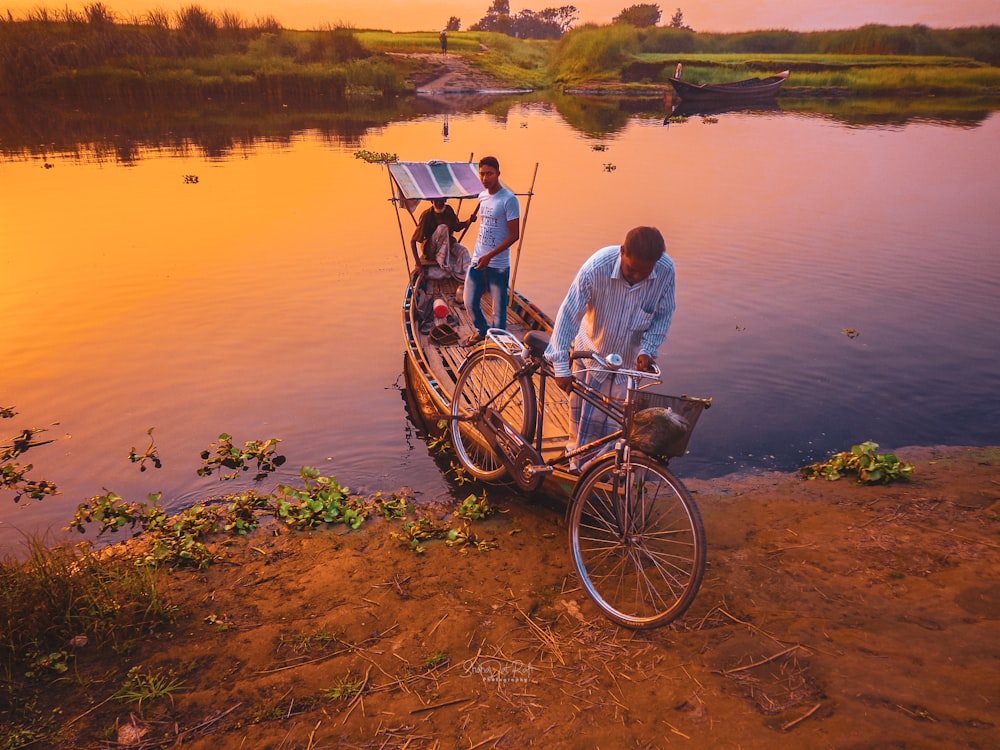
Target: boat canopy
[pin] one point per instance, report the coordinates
(420, 180)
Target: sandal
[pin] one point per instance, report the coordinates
(473, 339)
(444, 335)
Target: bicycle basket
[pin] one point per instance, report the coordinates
(661, 425)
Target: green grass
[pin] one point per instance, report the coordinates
(888, 79)
(459, 42)
(60, 600)
(64, 592)
(865, 80)
(732, 59)
(595, 53)
(519, 62)
(146, 686)
(863, 75)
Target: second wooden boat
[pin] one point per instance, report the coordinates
(749, 89)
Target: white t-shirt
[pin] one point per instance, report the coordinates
(494, 212)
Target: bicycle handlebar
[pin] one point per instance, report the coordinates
(612, 363)
(606, 363)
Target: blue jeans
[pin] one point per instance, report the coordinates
(476, 284)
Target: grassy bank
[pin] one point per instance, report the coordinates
(863, 75)
(96, 55)
(223, 58)
(871, 60)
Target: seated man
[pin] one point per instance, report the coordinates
(434, 232)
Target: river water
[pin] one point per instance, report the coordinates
(836, 283)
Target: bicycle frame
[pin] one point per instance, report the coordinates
(636, 534)
(535, 364)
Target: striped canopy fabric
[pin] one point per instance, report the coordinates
(436, 179)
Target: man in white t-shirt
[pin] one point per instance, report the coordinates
(499, 229)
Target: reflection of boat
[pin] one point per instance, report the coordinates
(749, 89)
(716, 107)
(434, 353)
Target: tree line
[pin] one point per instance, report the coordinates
(552, 23)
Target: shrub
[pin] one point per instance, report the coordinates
(197, 21)
(592, 50)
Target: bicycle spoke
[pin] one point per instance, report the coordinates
(488, 379)
(637, 542)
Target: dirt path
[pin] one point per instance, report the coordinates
(453, 74)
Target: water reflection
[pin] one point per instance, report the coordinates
(690, 109)
(861, 112)
(117, 133)
(110, 133)
(263, 299)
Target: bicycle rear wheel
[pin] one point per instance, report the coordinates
(637, 541)
(487, 379)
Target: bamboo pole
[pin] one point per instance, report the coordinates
(524, 225)
(399, 221)
(473, 215)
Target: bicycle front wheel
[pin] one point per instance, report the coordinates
(487, 379)
(637, 541)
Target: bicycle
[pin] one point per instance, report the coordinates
(635, 532)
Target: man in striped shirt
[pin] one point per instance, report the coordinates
(621, 302)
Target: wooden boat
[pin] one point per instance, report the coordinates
(749, 89)
(432, 360)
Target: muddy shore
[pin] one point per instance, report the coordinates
(832, 615)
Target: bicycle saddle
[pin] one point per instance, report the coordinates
(537, 342)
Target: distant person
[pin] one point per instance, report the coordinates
(444, 41)
(499, 229)
(433, 241)
(621, 302)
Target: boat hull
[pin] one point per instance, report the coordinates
(749, 90)
(431, 369)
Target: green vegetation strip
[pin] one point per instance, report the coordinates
(864, 461)
(58, 54)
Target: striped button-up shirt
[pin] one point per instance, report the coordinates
(602, 312)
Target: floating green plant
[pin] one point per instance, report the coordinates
(864, 461)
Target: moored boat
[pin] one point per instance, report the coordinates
(435, 345)
(749, 89)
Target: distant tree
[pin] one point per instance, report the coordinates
(550, 23)
(454, 24)
(640, 16)
(497, 18)
(677, 21)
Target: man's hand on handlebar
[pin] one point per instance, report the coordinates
(565, 382)
(644, 363)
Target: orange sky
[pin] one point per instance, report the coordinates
(717, 15)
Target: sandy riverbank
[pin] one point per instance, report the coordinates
(832, 615)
